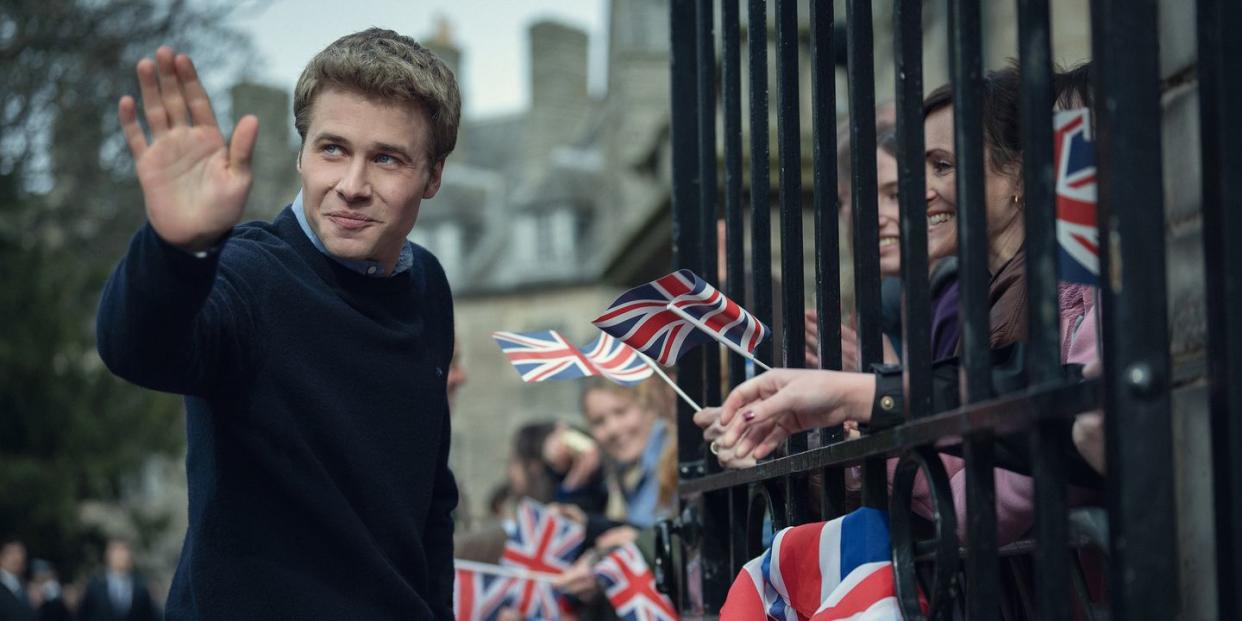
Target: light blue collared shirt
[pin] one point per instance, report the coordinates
(405, 260)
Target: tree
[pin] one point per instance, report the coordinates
(69, 430)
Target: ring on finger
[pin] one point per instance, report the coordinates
(713, 447)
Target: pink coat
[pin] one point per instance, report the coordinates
(1015, 493)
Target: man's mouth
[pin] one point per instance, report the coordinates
(350, 221)
(888, 240)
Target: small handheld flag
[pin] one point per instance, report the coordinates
(644, 319)
(630, 586)
(1078, 234)
(540, 541)
(617, 361)
(542, 356)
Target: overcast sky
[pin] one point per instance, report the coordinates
(490, 33)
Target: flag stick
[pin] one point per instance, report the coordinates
(716, 335)
(668, 380)
(507, 572)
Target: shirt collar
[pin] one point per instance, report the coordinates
(405, 260)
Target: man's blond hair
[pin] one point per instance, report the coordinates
(385, 66)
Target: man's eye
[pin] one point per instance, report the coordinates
(384, 158)
(330, 149)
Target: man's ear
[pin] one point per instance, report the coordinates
(433, 180)
(300, 159)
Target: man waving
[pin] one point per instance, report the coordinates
(312, 350)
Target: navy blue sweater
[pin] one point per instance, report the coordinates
(317, 423)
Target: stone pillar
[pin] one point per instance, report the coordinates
(558, 90)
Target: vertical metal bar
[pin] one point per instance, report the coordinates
(827, 223)
(1043, 356)
(911, 185)
(860, 68)
(1136, 338)
(687, 247)
(706, 56)
(1220, 133)
(789, 144)
(789, 139)
(966, 68)
(827, 211)
(735, 262)
(760, 168)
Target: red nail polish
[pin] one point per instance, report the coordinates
(748, 416)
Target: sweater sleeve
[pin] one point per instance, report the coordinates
(166, 321)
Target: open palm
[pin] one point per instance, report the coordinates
(194, 185)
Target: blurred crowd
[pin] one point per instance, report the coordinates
(33, 590)
(614, 472)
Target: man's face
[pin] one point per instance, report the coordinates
(118, 557)
(365, 169)
(13, 558)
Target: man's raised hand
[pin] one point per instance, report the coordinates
(194, 184)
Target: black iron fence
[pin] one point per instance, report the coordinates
(724, 512)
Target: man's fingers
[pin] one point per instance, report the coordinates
(127, 112)
(195, 95)
(152, 105)
(170, 88)
(241, 146)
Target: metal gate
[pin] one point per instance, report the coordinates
(723, 513)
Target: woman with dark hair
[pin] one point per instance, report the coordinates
(761, 413)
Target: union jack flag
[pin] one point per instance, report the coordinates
(617, 361)
(630, 586)
(723, 316)
(546, 355)
(827, 571)
(641, 319)
(479, 596)
(1077, 229)
(544, 542)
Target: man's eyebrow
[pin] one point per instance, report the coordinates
(326, 137)
(383, 146)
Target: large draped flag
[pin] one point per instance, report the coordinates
(827, 571)
(642, 319)
(630, 587)
(1078, 235)
(546, 355)
(540, 541)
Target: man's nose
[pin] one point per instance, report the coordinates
(353, 184)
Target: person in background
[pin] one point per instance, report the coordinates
(46, 596)
(14, 602)
(120, 594)
(631, 426)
